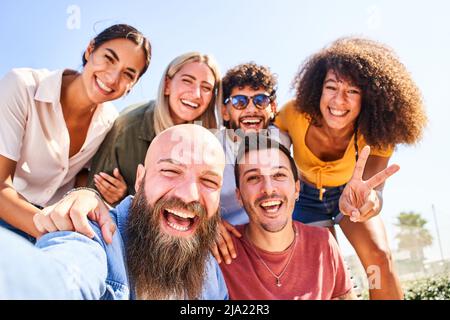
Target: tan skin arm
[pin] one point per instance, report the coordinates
(14, 208)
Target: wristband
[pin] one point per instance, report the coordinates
(84, 188)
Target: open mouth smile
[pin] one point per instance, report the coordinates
(189, 104)
(338, 113)
(180, 221)
(103, 87)
(251, 122)
(271, 206)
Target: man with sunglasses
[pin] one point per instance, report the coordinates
(249, 106)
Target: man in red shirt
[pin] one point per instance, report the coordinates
(278, 258)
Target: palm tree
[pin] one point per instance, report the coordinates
(413, 235)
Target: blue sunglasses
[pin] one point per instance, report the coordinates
(240, 101)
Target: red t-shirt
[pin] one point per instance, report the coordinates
(316, 270)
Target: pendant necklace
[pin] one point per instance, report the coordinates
(277, 277)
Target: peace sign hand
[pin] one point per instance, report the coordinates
(360, 200)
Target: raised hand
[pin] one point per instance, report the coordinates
(112, 189)
(360, 200)
(72, 213)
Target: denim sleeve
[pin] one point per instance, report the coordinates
(80, 261)
(67, 267)
(214, 286)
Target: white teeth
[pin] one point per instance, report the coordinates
(177, 227)
(181, 214)
(337, 113)
(251, 121)
(271, 206)
(189, 103)
(103, 86)
(271, 203)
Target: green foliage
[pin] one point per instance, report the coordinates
(437, 288)
(413, 236)
(410, 219)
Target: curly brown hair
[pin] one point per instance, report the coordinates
(392, 110)
(249, 74)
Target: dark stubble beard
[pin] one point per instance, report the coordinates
(251, 210)
(162, 266)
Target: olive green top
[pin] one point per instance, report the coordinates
(126, 144)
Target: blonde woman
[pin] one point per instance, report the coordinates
(188, 92)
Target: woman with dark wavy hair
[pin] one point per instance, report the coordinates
(352, 94)
(52, 123)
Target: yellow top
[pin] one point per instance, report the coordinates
(321, 173)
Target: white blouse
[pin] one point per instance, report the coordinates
(34, 134)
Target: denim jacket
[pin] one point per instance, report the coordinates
(98, 271)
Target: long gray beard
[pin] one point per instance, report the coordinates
(162, 266)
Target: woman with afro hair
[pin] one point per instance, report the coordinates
(353, 94)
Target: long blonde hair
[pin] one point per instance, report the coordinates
(209, 119)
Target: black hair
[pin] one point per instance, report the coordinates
(123, 31)
(249, 74)
(254, 141)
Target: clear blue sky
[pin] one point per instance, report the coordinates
(280, 34)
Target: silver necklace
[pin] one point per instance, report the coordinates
(277, 277)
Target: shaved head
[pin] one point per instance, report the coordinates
(174, 216)
(183, 141)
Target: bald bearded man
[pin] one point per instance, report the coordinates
(161, 249)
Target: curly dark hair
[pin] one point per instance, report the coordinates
(249, 74)
(392, 110)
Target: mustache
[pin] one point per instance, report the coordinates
(254, 116)
(176, 203)
(251, 116)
